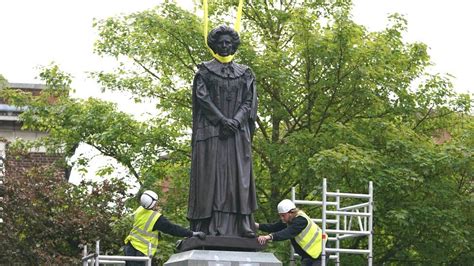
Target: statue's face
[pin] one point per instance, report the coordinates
(224, 45)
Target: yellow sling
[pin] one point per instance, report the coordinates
(222, 59)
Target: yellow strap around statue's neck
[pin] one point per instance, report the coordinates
(222, 59)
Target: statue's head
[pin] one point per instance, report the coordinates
(223, 40)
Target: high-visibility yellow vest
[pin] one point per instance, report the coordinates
(310, 239)
(141, 233)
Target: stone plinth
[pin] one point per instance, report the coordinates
(222, 258)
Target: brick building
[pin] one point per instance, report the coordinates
(16, 165)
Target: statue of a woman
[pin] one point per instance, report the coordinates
(222, 188)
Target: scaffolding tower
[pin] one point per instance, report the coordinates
(96, 259)
(360, 214)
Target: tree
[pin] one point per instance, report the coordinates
(46, 220)
(3, 82)
(336, 102)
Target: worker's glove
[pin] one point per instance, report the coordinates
(201, 235)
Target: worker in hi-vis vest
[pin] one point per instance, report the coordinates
(294, 224)
(147, 222)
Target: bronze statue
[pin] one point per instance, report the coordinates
(222, 188)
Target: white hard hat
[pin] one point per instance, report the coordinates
(285, 206)
(148, 199)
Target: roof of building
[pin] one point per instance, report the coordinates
(10, 112)
(31, 86)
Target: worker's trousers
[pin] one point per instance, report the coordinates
(311, 262)
(129, 250)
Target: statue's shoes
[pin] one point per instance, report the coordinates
(249, 234)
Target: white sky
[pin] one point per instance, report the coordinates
(443, 25)
(35, 33)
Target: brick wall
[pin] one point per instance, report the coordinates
(15, 167)
(32, 168)
(18, 165)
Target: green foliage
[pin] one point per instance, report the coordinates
(335, 101)
(3, 82)
(69, 122)
(46, 220)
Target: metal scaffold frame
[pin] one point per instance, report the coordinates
(96, 259)
(361, 214)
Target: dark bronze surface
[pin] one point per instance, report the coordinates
(222, 195)
(228, 243)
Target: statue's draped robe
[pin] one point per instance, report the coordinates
(222, 188)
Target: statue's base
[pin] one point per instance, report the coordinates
(229, 243)
(222, 258)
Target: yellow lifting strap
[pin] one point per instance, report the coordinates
(222, 59)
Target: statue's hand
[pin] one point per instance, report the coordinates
(230, 124)
(235, 125)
